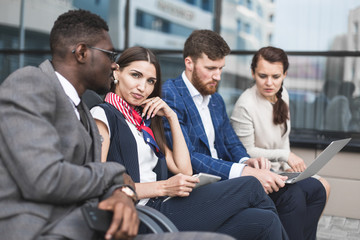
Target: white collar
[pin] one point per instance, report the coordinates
(69, 89)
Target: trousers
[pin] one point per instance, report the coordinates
(238, 207)
(299, 207)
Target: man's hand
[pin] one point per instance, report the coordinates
(259, 163)
(296, 163)
(128, 180)
(270, 181)
(125, 223)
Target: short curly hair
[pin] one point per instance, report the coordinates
(76, 26)
(205, 41)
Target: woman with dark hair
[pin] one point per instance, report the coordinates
(261, 119)
(238, 207)
(261, 115)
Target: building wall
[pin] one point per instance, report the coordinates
(39, 15)
(174, 14)
(352, 64)
(342, 172)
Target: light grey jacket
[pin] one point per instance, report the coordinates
(49, 164)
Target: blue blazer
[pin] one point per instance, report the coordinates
(227, 144)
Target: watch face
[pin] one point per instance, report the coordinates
(130, 193)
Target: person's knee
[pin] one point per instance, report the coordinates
(290, 200)
(326, 186)
(273, 227)
(249, 182)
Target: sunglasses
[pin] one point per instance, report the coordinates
(113, 56)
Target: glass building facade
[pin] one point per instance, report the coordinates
(323, 47)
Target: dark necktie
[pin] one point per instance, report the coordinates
(83, 117)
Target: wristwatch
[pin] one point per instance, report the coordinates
(130, 192)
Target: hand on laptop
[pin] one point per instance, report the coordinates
(296, 163)
(270, 181)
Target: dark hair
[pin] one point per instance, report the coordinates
(143, 54)
(73, 27)
(205, 41)
(347, 89)
(273, 54)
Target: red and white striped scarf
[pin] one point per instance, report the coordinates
(124, 108)
(134, 117)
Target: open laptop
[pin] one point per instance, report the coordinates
(324, 157)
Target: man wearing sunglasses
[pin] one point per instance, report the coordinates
(50, 146)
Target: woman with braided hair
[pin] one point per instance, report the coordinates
(261, 115)
(261, 119)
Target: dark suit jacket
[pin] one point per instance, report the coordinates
(49, 164)
(227, 144)
(123, 147)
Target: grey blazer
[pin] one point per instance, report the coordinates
(49, 164)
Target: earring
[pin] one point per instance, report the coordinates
(116, 81)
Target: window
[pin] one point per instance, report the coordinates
(317, 67)
(207, 5)
(258, 34)
(238, 25)
(192, 2)
(240, 44)
(259, 11)
(249, 4)
(271, 18)
(247, 28)
(152, 22)
(356, 27)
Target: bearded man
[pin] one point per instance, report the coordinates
(213, 145)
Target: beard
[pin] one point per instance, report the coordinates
(203, 88)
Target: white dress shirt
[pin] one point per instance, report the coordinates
(201, 103)
(70, 92)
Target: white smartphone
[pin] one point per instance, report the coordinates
(205, 178)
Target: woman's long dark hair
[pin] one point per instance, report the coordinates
(272, 54)
(142, 54)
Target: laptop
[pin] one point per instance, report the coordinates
(324, 157)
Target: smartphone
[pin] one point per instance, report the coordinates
(98, 220)
(205, 179)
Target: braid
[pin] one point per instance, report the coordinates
(280, 109)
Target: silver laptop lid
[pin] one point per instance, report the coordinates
(325, 156)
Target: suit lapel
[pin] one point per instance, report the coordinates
(214, 113)
(194, 115)
(94, 135)
(216, 116)
(89, 145)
